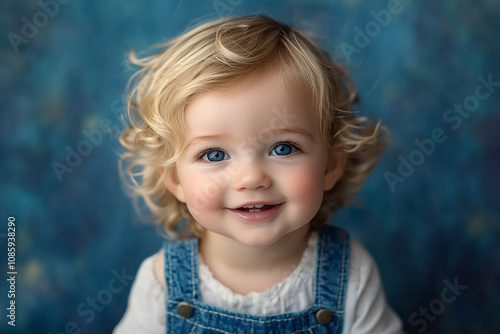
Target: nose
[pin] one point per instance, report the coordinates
(251, 176)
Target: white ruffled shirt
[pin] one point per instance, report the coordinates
(366, 308)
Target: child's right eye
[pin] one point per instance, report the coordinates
(215, 155)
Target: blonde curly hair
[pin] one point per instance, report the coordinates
(214, 56)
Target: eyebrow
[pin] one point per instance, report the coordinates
(194, 140)
(222, 137)
(296, 130)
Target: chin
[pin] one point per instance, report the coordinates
(256, 243)
(258, 239)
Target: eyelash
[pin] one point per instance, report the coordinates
(297, 147)
(200, 155)
(288, 142)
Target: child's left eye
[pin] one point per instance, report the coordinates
(283, 149)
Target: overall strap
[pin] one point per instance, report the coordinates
(332, 269)
(181, 269)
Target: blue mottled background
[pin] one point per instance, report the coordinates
(425, 225)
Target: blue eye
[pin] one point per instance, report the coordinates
(215, 155)
(283, 149)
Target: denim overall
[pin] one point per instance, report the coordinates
(186, 313)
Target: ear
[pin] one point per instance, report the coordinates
(334, 168)
(172, 182)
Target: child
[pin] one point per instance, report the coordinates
(241, 143)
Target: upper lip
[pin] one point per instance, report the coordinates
(254, 204)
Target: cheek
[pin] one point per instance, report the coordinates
(306, 185)
(202, 193)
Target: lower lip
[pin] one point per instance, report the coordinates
(257, 216)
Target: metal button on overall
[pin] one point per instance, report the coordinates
(185, 310)
(324, 316)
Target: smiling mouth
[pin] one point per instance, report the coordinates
(256, 208)
(253, 213)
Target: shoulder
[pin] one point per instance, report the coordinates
(366, 307)
(362, 266)
(363, 271)
(147, 283)
(145, 311)
(158, 268)
(150, 274)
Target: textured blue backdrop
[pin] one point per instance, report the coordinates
(429, 216)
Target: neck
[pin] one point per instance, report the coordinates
(244, 268)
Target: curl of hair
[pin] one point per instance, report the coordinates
(215, 56)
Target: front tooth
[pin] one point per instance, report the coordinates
(258, 206)
(249, 207)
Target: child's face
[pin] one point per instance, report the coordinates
(254, 168)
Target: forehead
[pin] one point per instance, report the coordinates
(264, 102)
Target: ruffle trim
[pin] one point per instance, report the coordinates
(288, 295)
